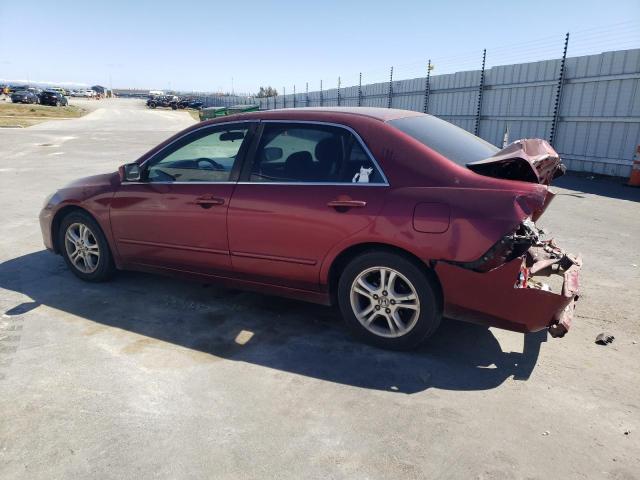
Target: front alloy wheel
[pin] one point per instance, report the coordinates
(82, 247)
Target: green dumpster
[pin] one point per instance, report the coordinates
(214, 112)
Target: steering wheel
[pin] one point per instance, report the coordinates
(215, 165)
(160, 175)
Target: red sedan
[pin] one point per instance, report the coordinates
(399, 218)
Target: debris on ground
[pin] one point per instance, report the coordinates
(627, 432)
(604, 338)
(545, 433)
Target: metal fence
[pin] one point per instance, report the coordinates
(587, 106)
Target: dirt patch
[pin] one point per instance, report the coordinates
(19, 115)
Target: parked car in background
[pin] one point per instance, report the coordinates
(167, 101)
(24, 96)
(60, 90)
(17, 88)
(53, 98)
(398, 217)
(187, 102)
(195, 104)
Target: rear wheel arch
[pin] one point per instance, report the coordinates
(347, 255)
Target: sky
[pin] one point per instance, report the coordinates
(241, 45)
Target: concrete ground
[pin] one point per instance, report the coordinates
(149, 377)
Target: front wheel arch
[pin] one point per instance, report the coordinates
(57, 220)
(344, 257)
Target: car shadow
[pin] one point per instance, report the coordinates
(282, 334)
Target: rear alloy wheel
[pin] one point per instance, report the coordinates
(84, 247)
(388, 301)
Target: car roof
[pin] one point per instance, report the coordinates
(383, 114)
(323, 113)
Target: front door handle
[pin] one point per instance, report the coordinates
(208, 201)
(341, 205)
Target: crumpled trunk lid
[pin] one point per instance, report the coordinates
(529, 160)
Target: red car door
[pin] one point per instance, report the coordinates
(308, 187)
(175, 216)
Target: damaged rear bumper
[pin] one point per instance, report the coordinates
(512, 295)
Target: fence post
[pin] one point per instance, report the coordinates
(338, 91)
(306, 95)
(427, 88)
(390, 88)
(294, 96)
(480, 88)
(321, 99)
(556, 106)
(360, 90)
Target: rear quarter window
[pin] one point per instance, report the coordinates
(450, 141)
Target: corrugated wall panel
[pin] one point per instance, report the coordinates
(599, 118)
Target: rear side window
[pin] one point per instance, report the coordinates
(294, 153)
(450, 141)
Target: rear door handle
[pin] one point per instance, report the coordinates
(208, 202)
(346, 204)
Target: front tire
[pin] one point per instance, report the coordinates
(85, 248)
(389, 301)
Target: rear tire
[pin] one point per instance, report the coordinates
(85, 248)
(389, 301)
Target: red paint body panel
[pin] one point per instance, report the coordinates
(281, 233)
(162, 225)
(283, 239)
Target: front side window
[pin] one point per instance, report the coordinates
(293, 153)
(207, 158)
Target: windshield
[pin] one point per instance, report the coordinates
(450, 141)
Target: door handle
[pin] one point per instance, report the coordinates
(208, 202)
(346, 204)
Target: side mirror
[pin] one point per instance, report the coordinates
(130, 172)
